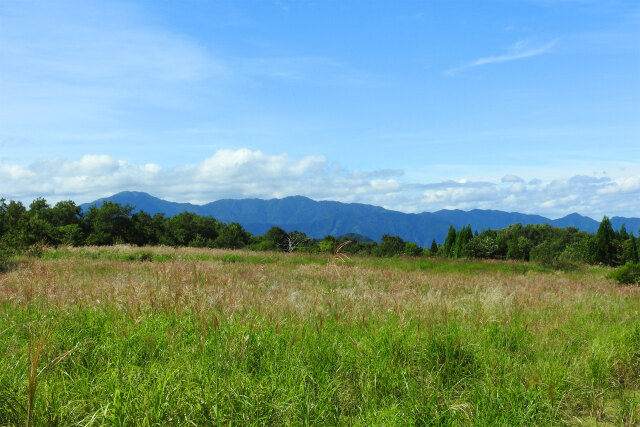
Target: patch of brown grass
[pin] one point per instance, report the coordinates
(345, 290)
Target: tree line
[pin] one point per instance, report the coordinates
(65, 223)
(546, 244)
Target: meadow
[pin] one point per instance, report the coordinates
(161, 336)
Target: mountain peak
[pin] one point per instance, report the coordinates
(321, 218)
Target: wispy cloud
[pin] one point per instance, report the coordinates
(520, 50)
(88, 68)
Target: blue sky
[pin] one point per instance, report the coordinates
(520, 105)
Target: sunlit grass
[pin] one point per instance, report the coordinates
(192, 336)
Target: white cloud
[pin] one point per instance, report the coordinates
(628, 185)
(520, 50)
(245, 173)
(511, 178)
(593, 196)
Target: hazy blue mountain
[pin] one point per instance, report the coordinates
(318, 219)
(578, 221)
(488, 218)
(146, 202)
(631, 224)
(357, 237)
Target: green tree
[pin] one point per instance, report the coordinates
(581, 250)
(3, 210)
(543, 253)
(629, 251)
(434, 247)
(605, 248)
(183, 230)
(622, 234)
(39, 208)
(482, 246)
(390, 246)
(15, 221)
(449, 242)
(412, 249)
(275, 239)
(462, 239)
(519, 248)
(143, 232)
(39, 227)
(109, 224)
(160, 229)
(328, 244)
(232, 236)
(67, 217)
(66, 212)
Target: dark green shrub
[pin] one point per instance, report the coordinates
(231, 258)
(626, 274)
(484, 247)
(4, 265)
(36, 250)
(145, 256)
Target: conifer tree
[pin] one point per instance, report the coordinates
(449, 242)
(635, 257)
(462, 239)
(605, 249)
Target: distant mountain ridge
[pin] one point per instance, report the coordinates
(321, 218)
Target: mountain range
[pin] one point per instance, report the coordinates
(321, 218)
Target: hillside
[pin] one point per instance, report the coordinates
(321, 218)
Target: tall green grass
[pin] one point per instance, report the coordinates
(218, 338)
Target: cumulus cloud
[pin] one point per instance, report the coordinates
(227, 174)
(246, 173)
(592, 196)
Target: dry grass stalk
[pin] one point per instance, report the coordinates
(282, 288)
(338, 254)
(37, 345)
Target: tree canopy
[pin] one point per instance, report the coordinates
(111, 223)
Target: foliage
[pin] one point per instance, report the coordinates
(221, 337)
(449, 242)
(482, 246)
(627, 274)
(5, 264)
(629, 250)
(25, 229)
(605, 243)
(412, 249)
(462, 240)
(390, 246)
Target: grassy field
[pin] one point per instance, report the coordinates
(162, 336)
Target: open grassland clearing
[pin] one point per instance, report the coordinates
(123, 335)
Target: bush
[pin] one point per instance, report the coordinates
(265, 245)
(412, 249)
(566, 261)
(543, 254)
(231, 258)
(5, 263)
(145, 256)
(626, 274)
(483, 247)
(36, 250)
